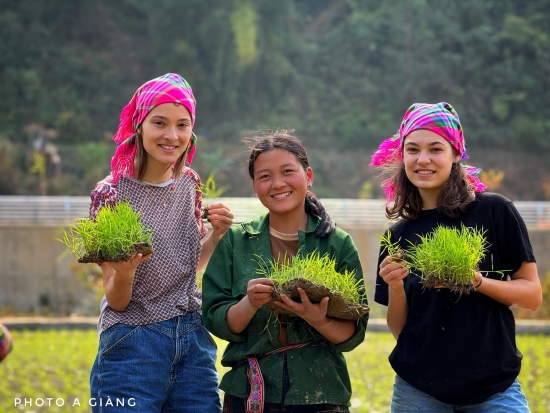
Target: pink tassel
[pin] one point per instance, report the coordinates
(478, 185)
(389, 189)
(389, 151)
(471, 174)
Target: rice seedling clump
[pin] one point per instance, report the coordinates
(209, 192)
(446, 257)
(317, 276)
(116, 235)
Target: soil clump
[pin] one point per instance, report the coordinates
(99, 257)
(337, 306)
(433, 281)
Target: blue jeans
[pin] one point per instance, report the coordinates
(169, 366)
(407, 398)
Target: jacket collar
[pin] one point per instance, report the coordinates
(258, 225)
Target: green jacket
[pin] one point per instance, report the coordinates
(318, 373)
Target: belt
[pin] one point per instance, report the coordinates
(255, 401)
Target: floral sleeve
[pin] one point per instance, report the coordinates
(103, 194)
(198, 200)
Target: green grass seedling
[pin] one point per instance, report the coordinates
(316, 274)
(209, 192)
(113, 236)
(119, 228)
(448, 257)
(80, 238)
(393, 249)
(318, 269)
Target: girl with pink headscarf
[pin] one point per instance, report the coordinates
(154, 353)
(453, 352)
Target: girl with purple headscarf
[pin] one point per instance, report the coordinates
(154, 353)
(453, 352)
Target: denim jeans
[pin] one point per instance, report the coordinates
(407, 398)
(169, 366)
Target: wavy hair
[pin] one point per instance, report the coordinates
(454, 199)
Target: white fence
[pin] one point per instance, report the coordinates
(354, 213)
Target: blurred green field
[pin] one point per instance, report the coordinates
(56, 365)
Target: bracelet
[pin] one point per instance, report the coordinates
(479, 283)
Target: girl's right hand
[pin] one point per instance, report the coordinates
(393, 271)
(259, 291)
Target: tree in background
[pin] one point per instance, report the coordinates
(339, 72)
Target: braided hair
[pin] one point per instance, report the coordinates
(283, 140)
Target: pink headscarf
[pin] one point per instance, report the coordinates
(169, 88)
(440, 118)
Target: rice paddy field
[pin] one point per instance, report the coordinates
(48, 370)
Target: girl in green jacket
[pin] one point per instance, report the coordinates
(294, 364)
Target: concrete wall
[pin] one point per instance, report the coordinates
(37, 276)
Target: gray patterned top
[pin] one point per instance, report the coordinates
(164, 285)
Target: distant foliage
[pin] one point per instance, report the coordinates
(339, 72)
(243, 23)
(492, 179)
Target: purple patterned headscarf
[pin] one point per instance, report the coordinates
(440, 118)
(5, 342)
(168, 88)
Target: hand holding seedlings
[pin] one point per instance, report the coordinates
(314, 314)
(393, 270)
(259, 291)
(444, 258)
(220, 217)
(318, 278)
(449, 257)
(478, 279)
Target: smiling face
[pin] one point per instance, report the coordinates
(280, 181)
(428, 159)
(166, 133)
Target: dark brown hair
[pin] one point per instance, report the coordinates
(455, 197)
(286, 142)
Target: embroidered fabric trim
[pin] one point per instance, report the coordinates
(255, 401)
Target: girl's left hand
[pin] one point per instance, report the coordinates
(314, 314)
(221, 219)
